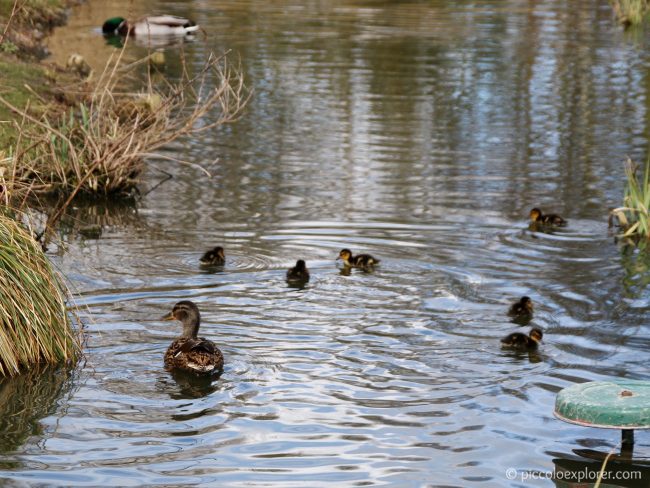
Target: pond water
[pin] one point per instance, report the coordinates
(421, 132)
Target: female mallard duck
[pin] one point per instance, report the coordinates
(537, 216)
(358, 261)
(523, 309)
(189, 352)
(154, 25)
(213, 257)
(299, 273)
(523, 342)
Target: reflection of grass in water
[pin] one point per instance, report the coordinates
(24, 400)
(637, 269)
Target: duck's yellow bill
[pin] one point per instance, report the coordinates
(169, 316)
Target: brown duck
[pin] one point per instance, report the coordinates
(189, 352)
(522, 310)
(523, 342)
(299, 273)
(358, 261)
(537, 216)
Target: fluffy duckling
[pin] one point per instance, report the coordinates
(537, 216)
(299, 273)
(523, 342)
(154, 25)
(358, 261)
(213, 257)
(189, 352)
(523, 309)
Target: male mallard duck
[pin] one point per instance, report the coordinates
(358, 261)
(523, 342)
(299, 273)
(523, 309)
(189, 352)
(154, 25)
(536, 215)
(213, 257)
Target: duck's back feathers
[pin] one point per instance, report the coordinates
(364, 260)
(523, 309)
(553, 219)
(213, 257)
(198, 355)
(164, 25)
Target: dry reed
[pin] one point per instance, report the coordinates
(97, 147)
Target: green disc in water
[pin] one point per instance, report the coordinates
(619, 404)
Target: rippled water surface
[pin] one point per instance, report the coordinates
(421, 132)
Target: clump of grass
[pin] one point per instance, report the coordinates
(633, 217)
(631, 12)
(34, 324)
(97, 146)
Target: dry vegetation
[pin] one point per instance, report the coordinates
(34, 323)
(633, 217)
(97, 147)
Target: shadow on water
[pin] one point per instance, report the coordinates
(25, 400)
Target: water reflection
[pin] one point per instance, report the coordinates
(24, 401)
(191, 385)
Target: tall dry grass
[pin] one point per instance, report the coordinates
(97, 147)
(35, 326)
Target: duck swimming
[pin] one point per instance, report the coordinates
(154, 25)
(523, 309)
(299, 273)
(189, 352)
(358, 261)
(213, 257)
(537, 216)
(523, 342)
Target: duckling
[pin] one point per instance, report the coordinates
(154, 25)
(523, 309)
(523, 342)
(536, 215)
(189, 352)
(213, 257)
(299, 273)
(358, 261)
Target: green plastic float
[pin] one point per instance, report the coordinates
(617, 404)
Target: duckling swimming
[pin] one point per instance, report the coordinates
(358, 261)
(537, 216)
(213, 257)
(189, 352)
(523, 342)
(154, 25)
(299, 273)
(522, 310)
